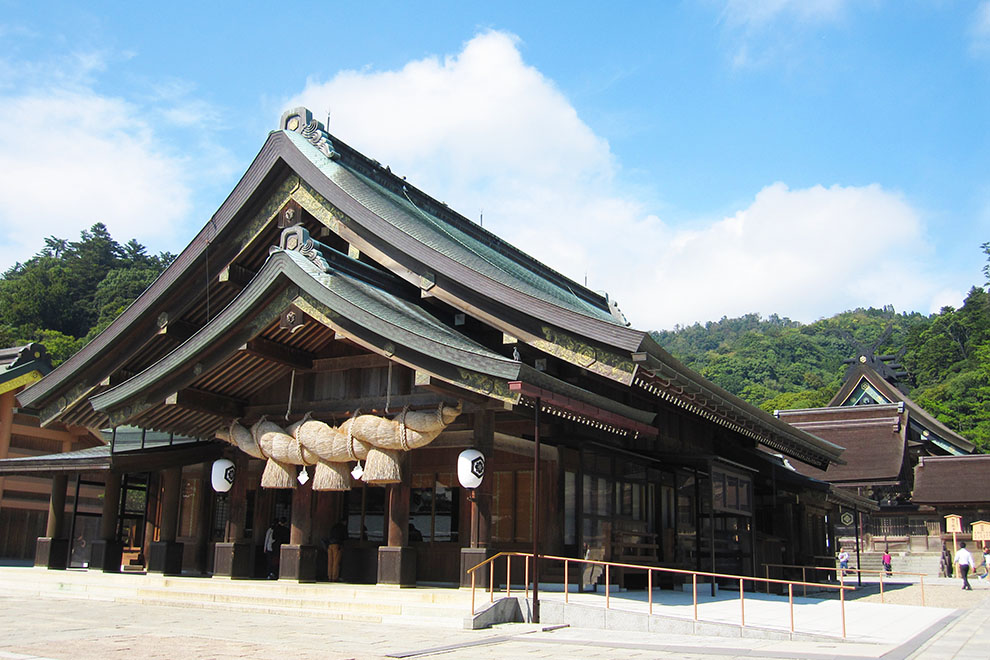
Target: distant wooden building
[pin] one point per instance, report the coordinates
(24, 500)
(884, 434)
(327, 288)
(958, 485)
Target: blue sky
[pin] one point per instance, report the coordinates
(693, 159)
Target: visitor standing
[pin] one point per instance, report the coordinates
(844, 560)
(965, 561)
(275, 536)
(335, 550)
(886, 562)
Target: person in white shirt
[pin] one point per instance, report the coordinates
(965, 561)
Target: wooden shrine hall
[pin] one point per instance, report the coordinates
(341, 337)
(886, 437)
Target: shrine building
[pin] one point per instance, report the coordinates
(888, 439)
(341, 337)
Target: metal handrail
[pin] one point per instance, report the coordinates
(861, 571)
(608, 565)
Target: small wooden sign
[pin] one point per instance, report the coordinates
(953, 524)
(981, 530)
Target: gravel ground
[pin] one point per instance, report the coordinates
(941, 594)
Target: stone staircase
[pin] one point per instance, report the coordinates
(926, 563)
(438, 607)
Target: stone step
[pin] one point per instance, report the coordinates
(432, 606)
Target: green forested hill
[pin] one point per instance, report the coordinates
(71, 290)
(776, 363)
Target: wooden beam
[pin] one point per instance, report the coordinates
(339, 407)
(177, 330)
(446, 389)
(368, 361)
(39, 432)
(207, 402)
(117, 377)
(235, 275)
(274, 352)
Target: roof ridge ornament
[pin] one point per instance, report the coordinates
(300, 120)
(297, 239)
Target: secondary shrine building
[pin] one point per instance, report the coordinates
(329, 317)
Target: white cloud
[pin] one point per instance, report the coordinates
(72, 158)
(758, 13)
(763, 32)
(979, 30)
(482, 130)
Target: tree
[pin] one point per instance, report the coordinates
(70, 289)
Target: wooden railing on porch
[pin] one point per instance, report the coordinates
(607, 567)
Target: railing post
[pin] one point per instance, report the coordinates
(607, 584)
(567, 583)
(526, 574)
(694, 590)
(742, 603)
(790, 602)
(766, 572)
(804, 579)
(649, 587)
(508, 575)
(491, 580)
(881, 586)
(842, 599)
(923, 590)
(472, 592)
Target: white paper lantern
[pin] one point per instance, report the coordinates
(470, 468)
(223, 475)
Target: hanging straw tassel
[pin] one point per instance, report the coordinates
(332, 476)
(382, 467)
(278, 475)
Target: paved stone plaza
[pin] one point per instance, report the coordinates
(63, 628)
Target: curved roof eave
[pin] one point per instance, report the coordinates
(281, 271)
(315, 168)
(141, 309)
(826, 452)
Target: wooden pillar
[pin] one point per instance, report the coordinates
(297, 560)
(484, 441)
(165, 555)
(204, 519)
(302, 515)
(171, 496)
(396, 561)
(234, 556)
(151, 521)
(481, 506)
(7, 402)
(398, 515)
(52, 549)
(111, 507)
(56, 507)
(237, 498)
(107, 549)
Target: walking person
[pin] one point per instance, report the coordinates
(844, 561)
(965, 561)
(886, 562)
